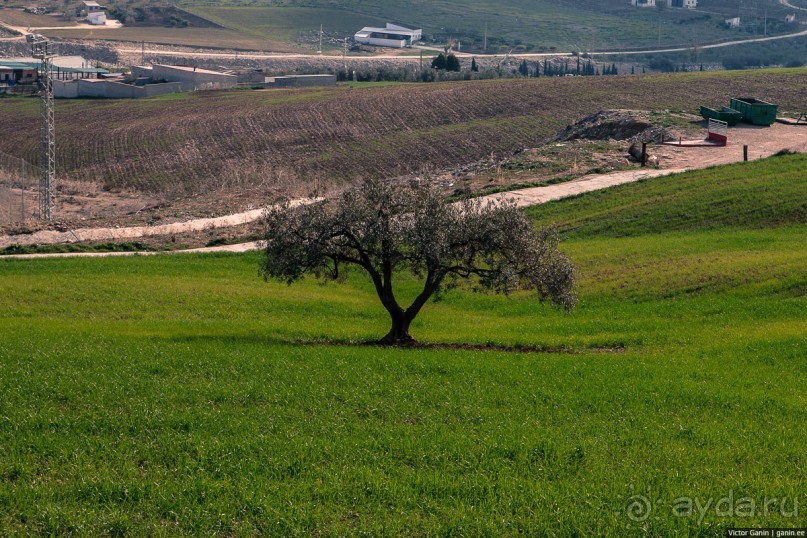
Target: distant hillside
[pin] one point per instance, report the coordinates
(519, 25)
(204, 141)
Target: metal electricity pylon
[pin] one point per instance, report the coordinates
(41, 49)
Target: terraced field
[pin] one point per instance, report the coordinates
(207, 141)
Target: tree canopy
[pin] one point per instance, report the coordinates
(446, 61)
(385, 229)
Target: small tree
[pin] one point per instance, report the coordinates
(474, 66)
(452, 63)
(385, 229)
(439, 61)
(446, 61)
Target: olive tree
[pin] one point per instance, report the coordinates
(385, 229)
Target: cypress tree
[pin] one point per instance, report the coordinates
(439, 62)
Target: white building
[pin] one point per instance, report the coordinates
(688, 4)
(391, 36)
(733, 22)
(95, 13)
(643, 3)
(790, 18)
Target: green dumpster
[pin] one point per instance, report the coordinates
(754, 111)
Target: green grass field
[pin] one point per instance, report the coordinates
(192, 37)
(183, 395)
(511, 24)
(285, 24)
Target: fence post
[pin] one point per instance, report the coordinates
(745, 152)
(644, 153)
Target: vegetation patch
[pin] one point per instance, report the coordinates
(133, 246)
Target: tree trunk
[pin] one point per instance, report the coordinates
(398, 335)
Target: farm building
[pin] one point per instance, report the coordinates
(111, 89)
(733, 22)
(391, 36)
(257, 78)
(643, 3)
(25, 71)
(94, 13)
(191, 78)
(687, 4)
(790, 18)
(12, 73)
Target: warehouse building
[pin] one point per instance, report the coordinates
(391, 36)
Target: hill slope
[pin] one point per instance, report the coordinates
(759, 194)
(206, 141)
(511, 24)
(183, 392)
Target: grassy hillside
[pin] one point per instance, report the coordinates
(191, 37)
(520, 24)
(183, 395)
(757, 195)
(201, 142)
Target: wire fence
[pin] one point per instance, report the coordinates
(19, 190)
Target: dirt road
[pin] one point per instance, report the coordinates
(87, 235)
(791, 6)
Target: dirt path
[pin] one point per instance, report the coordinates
(788, 4)
(80, 235)
(540, 195)
(761, 141)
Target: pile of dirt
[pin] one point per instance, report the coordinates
(613, 125)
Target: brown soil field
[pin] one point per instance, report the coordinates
(17, 17)
(230, 149)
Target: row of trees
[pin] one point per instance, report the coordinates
(449, 62)
(551, 69)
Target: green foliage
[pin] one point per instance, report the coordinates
(129, 246)
(447, 62)
(385, 229)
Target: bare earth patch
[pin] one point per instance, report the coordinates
(162, 223)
